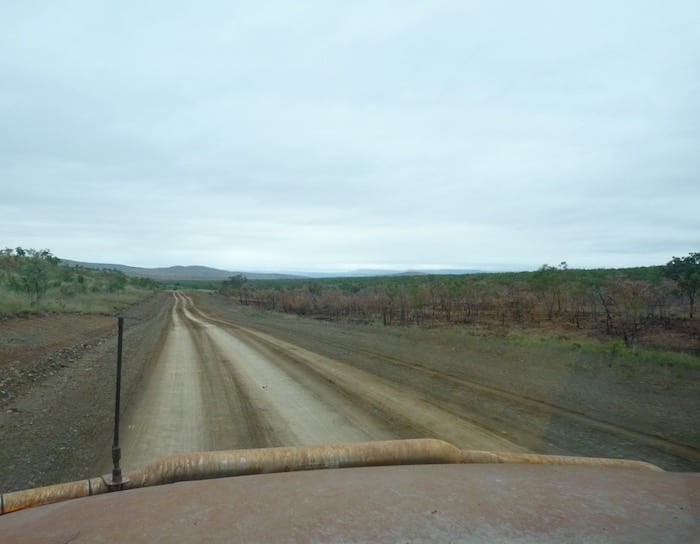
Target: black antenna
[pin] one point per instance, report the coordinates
(116, 481)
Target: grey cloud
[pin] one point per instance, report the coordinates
(321, 135)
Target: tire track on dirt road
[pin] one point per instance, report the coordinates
(191, 400)
(292, 413)
(472, 390)
(401, 408)
(167, 415)
(226, 387)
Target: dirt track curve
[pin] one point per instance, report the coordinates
(217, 386)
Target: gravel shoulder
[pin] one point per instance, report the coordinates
(57, 401)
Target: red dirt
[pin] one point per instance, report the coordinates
(23, 339)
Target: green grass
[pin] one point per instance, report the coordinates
(12, 303)
(35, 281)
(610, 351)
(636, 355)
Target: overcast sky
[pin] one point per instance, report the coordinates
(306, 135)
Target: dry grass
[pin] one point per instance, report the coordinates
(13, 303)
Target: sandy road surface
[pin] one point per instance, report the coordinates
(216, 385)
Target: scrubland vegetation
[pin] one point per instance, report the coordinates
(36, 281)
(649, 307)
(622, 310)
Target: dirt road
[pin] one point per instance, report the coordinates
(204, 373)
(538, 398)
(217, 386)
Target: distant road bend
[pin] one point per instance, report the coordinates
(216, 386)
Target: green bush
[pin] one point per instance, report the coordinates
(36, 281)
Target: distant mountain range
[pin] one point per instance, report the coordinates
(367, 272)
(206, 273)
(175, 273)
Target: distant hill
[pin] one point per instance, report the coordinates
(175, 273)
(441, 272)
(206, 273)
(376, 272)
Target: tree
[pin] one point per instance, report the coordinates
(548, 284)
(685, 271)
(234, 285)
(33, 272)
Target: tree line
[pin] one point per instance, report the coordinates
(37, 273)
(621, 302)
